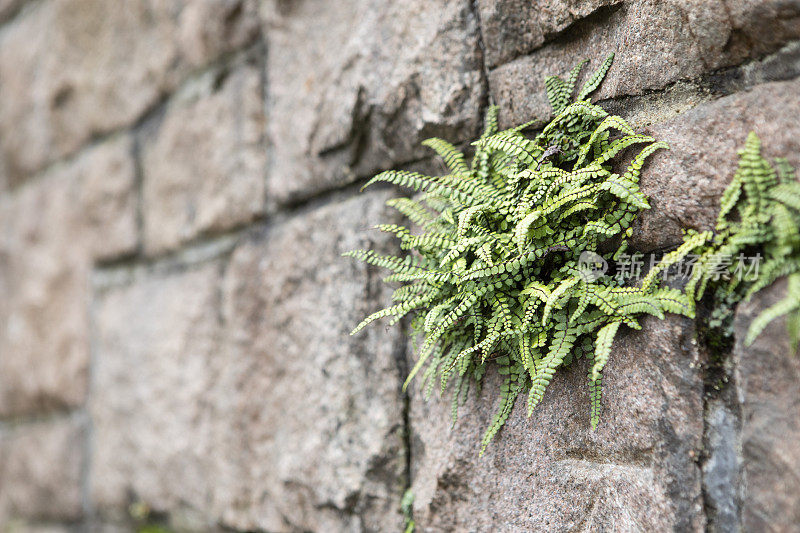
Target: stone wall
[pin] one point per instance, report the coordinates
(178, 179)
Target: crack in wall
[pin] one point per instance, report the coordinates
(488, 97)
(720, 461)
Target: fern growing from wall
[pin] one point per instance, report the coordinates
(759, 218)
(496, 265)
(494, 277)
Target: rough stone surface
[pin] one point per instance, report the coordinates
(768, 380)
(636, 472)
(22, 526)
(327, 453)
(71, 69)
(280, 421)
(41, 465)
(106, 179)
(511, 28)
(51, 230)
(721, 469)
(43, 325)
(402, 72)
(657, 42)
(760, 26)
(204, 164)
(155, 340)
(684, 183)
(9, 7)
(177, 182)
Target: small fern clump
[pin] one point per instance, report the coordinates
(494, 276)
(757, 241)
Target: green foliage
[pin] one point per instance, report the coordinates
(406, 506)
(759, 217)
(151, 528)
(494, 273)
(141, 514)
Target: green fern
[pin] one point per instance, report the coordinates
(407, 508)
(492, 276)
(759, 217)
(493, 272)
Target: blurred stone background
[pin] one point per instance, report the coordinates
(178, 179)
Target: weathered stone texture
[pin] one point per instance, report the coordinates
(760, 26)
(106, 201)
(155, 340)
(184, 156)
(684, 183)
(722, 463)
(22, 526)
(41, 464)
(257, 410)
(636, 472)
(511, 28)
(768, 381)
(401, 72)
(327, 452)
(9, 7)
(657, 42)
(204, 163)
(43, 321)
(71, 69)
(52, 228)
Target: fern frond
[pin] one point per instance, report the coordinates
(573, 78)
(580, 109)
(556, 92)
(412, 210)
(555, 296)
(635, 166)
(618, 145)
(785, 306)
(508, 395)
(605, 339)
(691, 243)
(563, 339)
(595, 79)
(490, 121)
(452, 157)
(513, 144)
